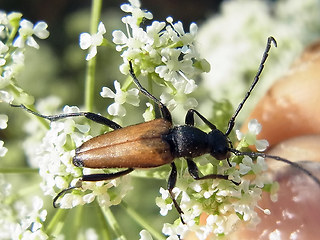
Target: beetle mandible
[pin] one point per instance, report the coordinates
(158, 142)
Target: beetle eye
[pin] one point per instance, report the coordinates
(220, 152)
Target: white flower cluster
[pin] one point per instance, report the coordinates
(14, 34)
(163, 52)
(20, 221)
(222, 203)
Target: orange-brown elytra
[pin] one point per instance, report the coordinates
(139, 143)
(158, 142)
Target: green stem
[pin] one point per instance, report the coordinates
(19, 170)
(76, 223)
(91, 64)
(141, 221)
(18, 91)
(95, 15)
(126, 83)
(170, 85)
(57, 222)
(103, 223)
(110, 219)
(150, 84)
(13, 33)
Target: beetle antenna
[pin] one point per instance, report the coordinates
(293, 164)
(64, 191)
(255, 81)
(51, 118)
(163, 109)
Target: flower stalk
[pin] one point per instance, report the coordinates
(91, 64)
(141, 221)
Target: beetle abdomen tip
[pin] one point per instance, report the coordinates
(77, 162)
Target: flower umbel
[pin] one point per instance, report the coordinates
(15, 34)
(162, 51)
(20, 221)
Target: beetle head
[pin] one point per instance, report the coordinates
(218, 144)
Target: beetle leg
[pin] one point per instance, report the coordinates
(105, 176)
(64, 191)
(163, 109)
(92, 116)
(194, 172)
(189, 120)
(171, 184)
(228, 161)
(93, 178)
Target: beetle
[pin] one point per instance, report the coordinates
(158, 142)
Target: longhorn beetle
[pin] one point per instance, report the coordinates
(158, 142)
